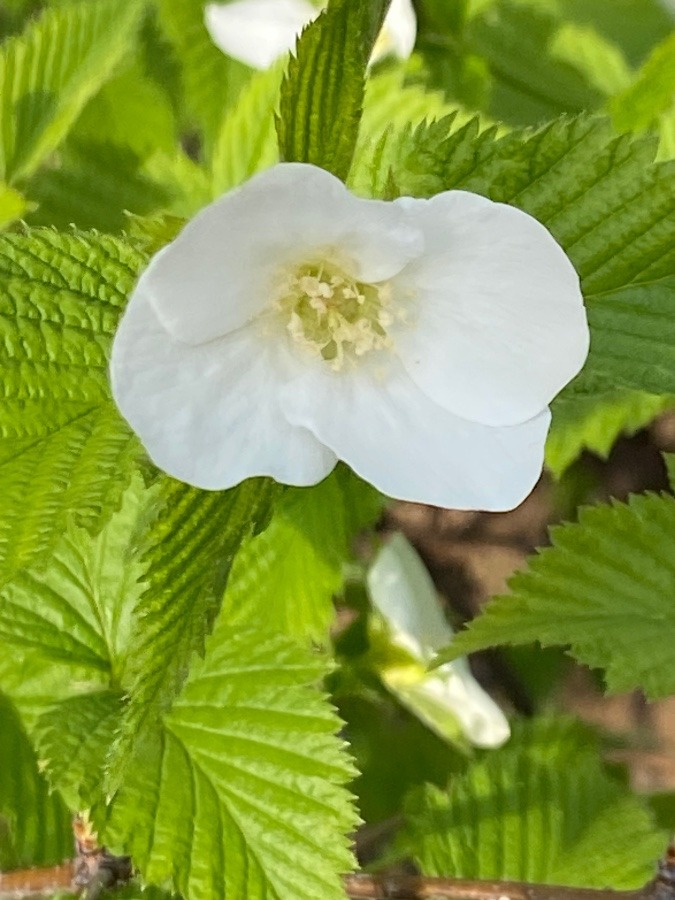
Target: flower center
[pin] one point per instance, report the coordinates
(334, 316)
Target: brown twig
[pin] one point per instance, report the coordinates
(413, 887)
(93, 871)
(38, 884)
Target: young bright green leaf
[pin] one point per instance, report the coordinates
(594, 422)
(49, 73)
(131, 111)
(246, 142)
(78, 610)
(289, 574)
(605, 588)
(240, 791)
(64, 642)
(392, 100)
(542, 809)
(12, 205)
(73, 738)
(188, 551)
(63, 447)
(34, 823)
(651, 93)
(323, 91)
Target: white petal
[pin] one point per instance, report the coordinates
(398, 32)
(257, 32)
(401, 589)
(221, 270)
(499, 325)
(403, 593)
(452, 688)
(209, 415)
(391, 434)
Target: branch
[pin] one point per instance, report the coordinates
(93, 871)
(413, 887)
(110, 871)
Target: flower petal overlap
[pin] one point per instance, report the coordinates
(292, 324)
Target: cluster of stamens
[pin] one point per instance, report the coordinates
(332, 315)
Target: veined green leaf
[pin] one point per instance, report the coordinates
(240, 792)
(323, 91)
(188, 552)
(289, 574)
(77, 611)
(63, 447)
(604, 588)
(542, 809)
(73, 738)
(64, 641)
(48, 74)
(34, 823)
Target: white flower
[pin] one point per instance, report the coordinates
(257, 32)
(292, 324)
(447, 697)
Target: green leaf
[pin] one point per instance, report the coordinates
(240, 793)
(543, 809)
(210, 81)
(34, 823)
(95, 185)
(634, 25)
(605, 588)
(246, 142)
(188, 552)
(652, 92)
(391, 100)
(63, 447)
(73, 738)
(49, 73)
(288, 575)
(78, 610)
(64, 642)
(542, 66)
(594, 423)
(131, 111)
(323, 91)
(12, 205)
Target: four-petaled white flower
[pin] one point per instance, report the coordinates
(409, 630)
(257, 32)
(292, 324)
